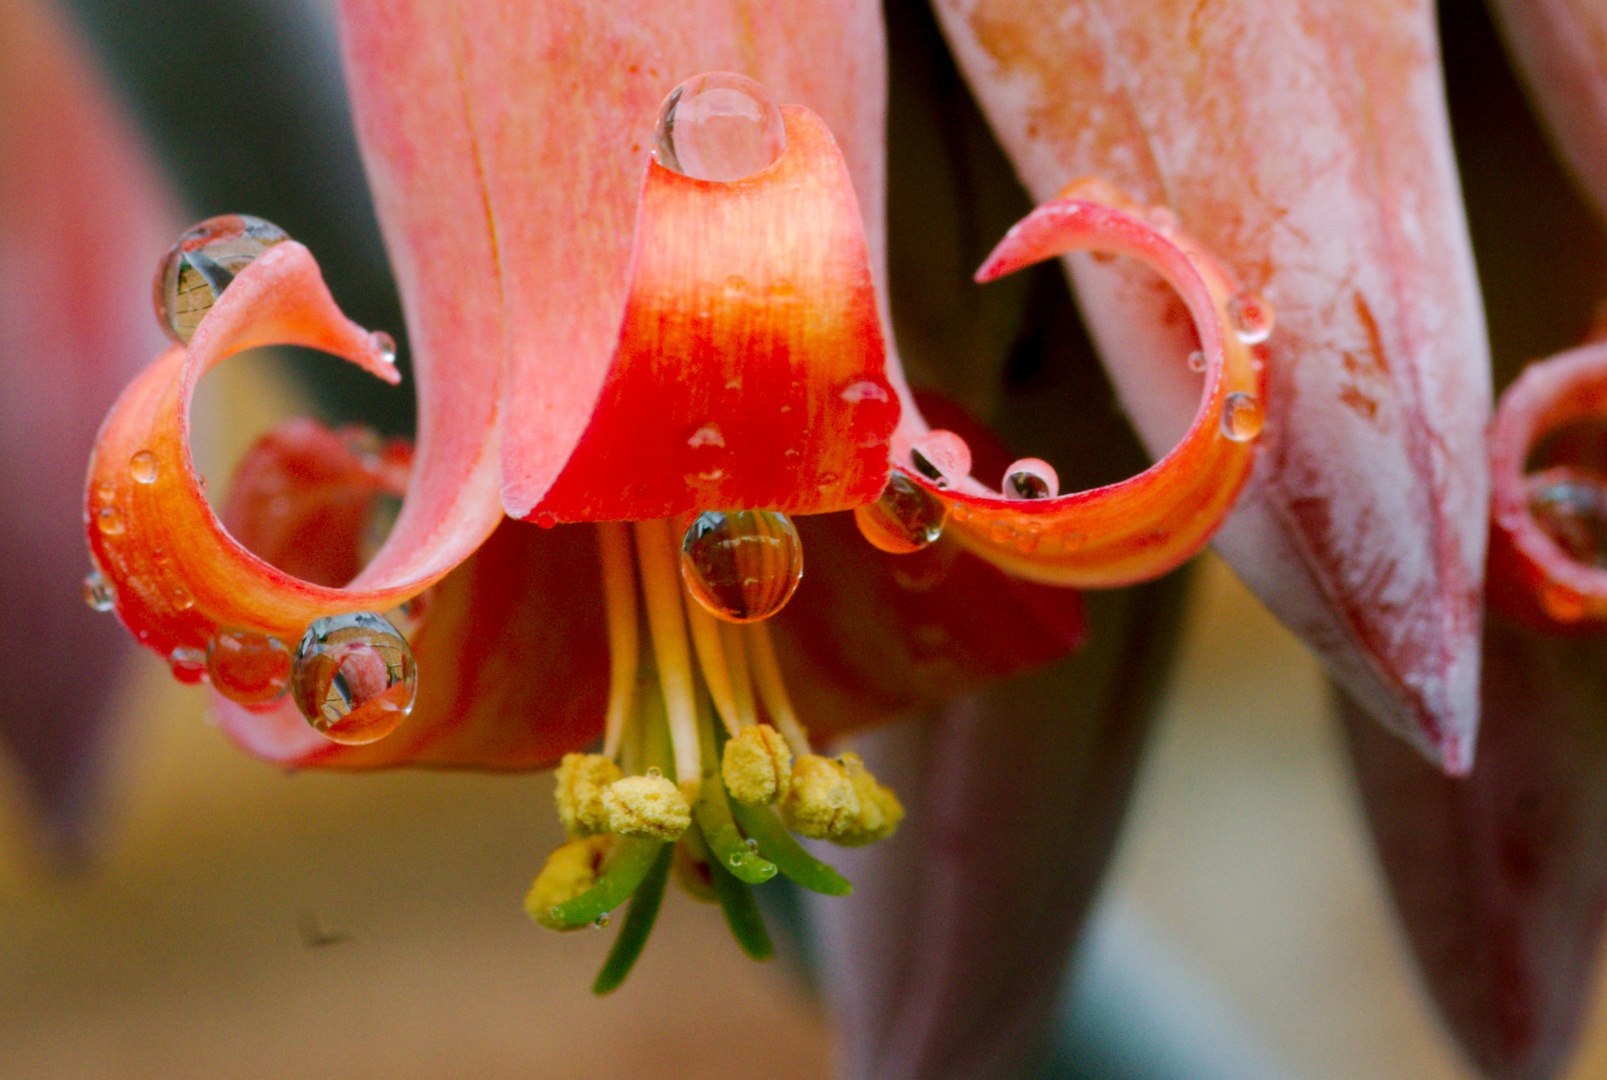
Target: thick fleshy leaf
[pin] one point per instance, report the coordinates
(1306, 147)
(751, 369)
(508, 191)
(1561, 48)
(82, 221)
(1145, 526)
(949, 954)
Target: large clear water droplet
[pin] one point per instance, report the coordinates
(1031, 478)
(741, 565)
(719, 126)
(248, 667)
(353, 677)
(942, 457)
(1252, 317)
(99, 594)
(1570, 505)
(1242, 416)
(905, 518)
(142, 467)
(203, 263)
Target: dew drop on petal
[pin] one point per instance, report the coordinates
(942, 457)
(905, 518)
(99, 594)
(109, 521)
(142, 467)
(1571, 508)
(248, 667)
(1252, 317)
(1241, 416)
(719, 126)
(385, 345)
(353, 677)
(1031, 478)
(188, 664)
(180, 598)
(203, 263)
(1196, 360)
(741, 565)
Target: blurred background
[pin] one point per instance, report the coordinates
(224, 919)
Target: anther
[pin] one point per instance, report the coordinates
(757, 766)
(821, 799)
(648, 806)
(582, 779)
(570, 871)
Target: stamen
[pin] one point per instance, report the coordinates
(736, 658)
(661, 587)
(619, 593)
(772, 691)
(712, 659)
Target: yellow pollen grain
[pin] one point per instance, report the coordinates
(757, 766)
(582, 779)
(650, 806)
(821, 799)
(570, 871)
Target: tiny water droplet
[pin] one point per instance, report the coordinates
(180, 598)
(942, 457)
(248, 667)
(1570, 506)
(1241, 417)
(751, 844)
(737, 859)
(99, 594)
(655, 773)
(202, 264)
(109, 521)
(142, 467)
(601, 921)
(353, 677)
(1000, 532)
(1196, 360)
(1031, 478)
(1252, 317)
(905, 518)
(546, 519)
(707, 435)
(188, 664)
(741, 565)
(719, 126)
(385, 345)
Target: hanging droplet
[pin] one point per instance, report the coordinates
(203, 263)
(248, 667)
(1252, 317)
(719, 126)
(353, 677)
(99, 594)
(741, 565)
(385, 345)
(942, 457)
(1196, 360)
(905, 518)
(1241, 416)
(1031, 478)
(142, 467)
(1570, 505)
(188, 664)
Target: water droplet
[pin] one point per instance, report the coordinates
(601, 921)
(546, 519)
(1252, 317)
(737, 859)
(719, 126)
(1161, 218)
(180, 598)
(99, 594)
(942, 457)
(707, 435)
(1196, 360)
(1571, 507)
(353, 677)
(905, 518)
(655, 773)
(248, 667)
(741, 565)
(385, 345)
(203, 263)
(188, 664)
(1241, 417)
(751, 844)
(109, 521)
(142, 467)
(1031, 478)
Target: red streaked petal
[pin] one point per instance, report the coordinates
(1531, 578)
(1145, 526)
(179, 575)
(750, 370)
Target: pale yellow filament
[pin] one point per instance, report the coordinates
(711, 655)
(733, 636)
(767, 677)
(619, 595)
(661, 588)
